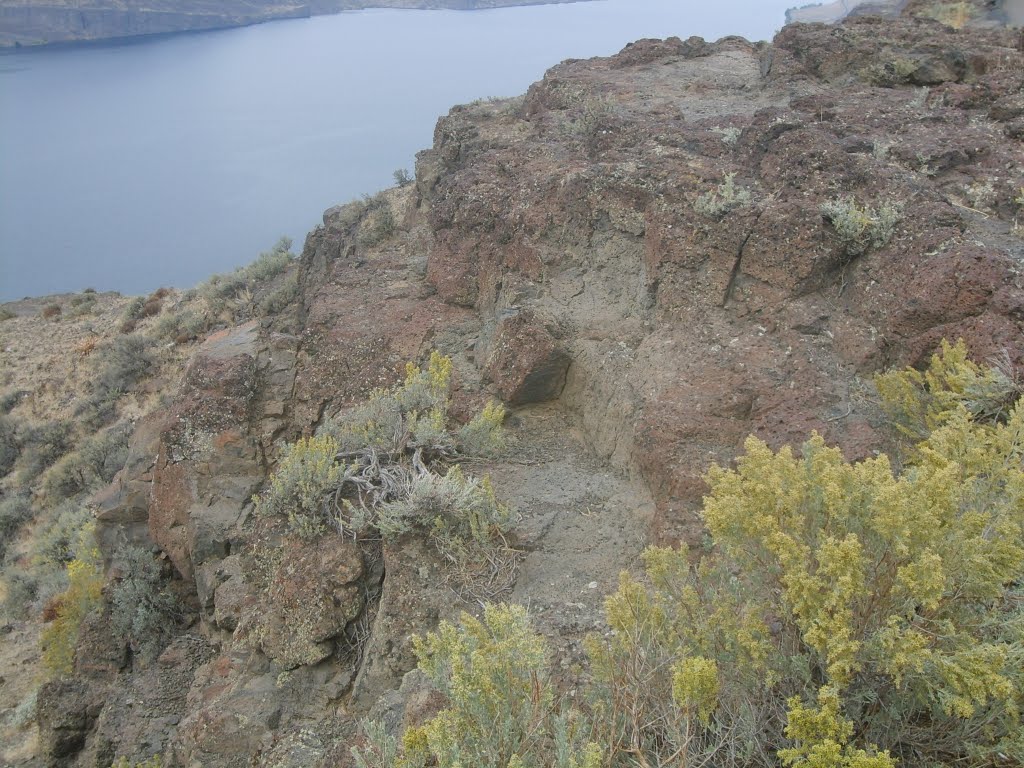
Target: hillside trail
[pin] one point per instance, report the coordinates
(578, 523)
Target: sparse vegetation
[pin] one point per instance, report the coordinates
(235, 293)
(861, 228)
(96, 461)
(727, 197)
(142, 611)
(7, 314)
(15, 511)
(10, 448)
(41, 446)
(120, 365)
(501, 708)
(83, 595)
(372, 469)
(955, 15)
(51, 311)
(378, 223)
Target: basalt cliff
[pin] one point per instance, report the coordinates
(642, 259)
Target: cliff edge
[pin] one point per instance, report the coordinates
(646, 258)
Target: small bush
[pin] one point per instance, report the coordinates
(10, 448)
(10, 400)
(82, 304)
(42, 446)
(381, 452)
(456, 510)
(7, 313)
(181, 327)
(483, 435)
(861, 228)
(133, 311)
(120, 365)
(51, 311)
(501, 708)
(379, 224)
(278, 300)
(919, 402)
(15, 511)
(727, 197)
(60, 539)
(96, 461)
(142, 611)
(306, 475)
(222, 292)
(402, 177)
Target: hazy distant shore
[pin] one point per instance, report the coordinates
(24, 23)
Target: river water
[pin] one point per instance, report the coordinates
(158, 162)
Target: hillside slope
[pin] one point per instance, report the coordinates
(647, 258)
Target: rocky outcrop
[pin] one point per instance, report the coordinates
(635, 258)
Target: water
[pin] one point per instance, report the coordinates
(159, 162)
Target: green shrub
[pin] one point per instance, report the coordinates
(455, 509)
(278, 299)
(844, 615)
(96, 461)
(7, 314)
(41, 446)
(10, 448)
(861, 228)
(301, 486)
(59, 539)
(121, 365)
(142, 611)
(501, 708)
(10, 400)
(483, 435)
(370, 468)
(718, 202)
(134, 308)
(402, 177)
(181, 326)
(378, 223)
(15, 511)
(222, 293)
(82, 304)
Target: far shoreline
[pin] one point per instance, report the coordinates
(17, 47)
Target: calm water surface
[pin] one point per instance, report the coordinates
(153, 163)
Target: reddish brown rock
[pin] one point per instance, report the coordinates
(526, 363)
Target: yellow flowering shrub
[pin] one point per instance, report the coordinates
(919, 402)
(894, 601)
(502, 711)
(83, 595)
